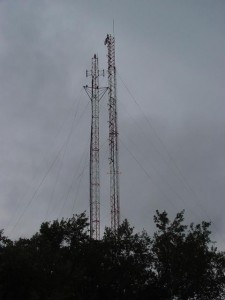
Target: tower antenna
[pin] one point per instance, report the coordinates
(113, 135)
(113, 29)
(95, 93)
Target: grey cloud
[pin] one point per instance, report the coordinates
(170, 55)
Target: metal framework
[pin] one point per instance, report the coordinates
(113, 135)
(95, 93)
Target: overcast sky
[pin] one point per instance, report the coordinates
(171, 70)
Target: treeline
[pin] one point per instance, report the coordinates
(61, 262)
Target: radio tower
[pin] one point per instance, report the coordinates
(95, 93)
(113, 135)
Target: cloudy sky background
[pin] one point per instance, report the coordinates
(171, 70)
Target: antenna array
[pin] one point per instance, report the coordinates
(95, 94)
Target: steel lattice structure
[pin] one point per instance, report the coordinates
(95, 94)
(113, 135)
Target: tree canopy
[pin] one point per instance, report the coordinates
(61, 262)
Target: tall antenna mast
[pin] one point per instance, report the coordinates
(95, 93)
(113, 135)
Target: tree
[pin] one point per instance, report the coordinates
(187, 264)
(126, 262)
(61, 262)
(41, 267)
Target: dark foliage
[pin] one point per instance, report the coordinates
(61, 262)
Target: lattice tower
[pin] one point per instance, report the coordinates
(113, 135)
(95, 94)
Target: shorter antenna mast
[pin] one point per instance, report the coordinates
(95, 93)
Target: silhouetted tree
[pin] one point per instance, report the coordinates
(61, 262)
(187, 264)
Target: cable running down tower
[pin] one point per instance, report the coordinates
(95, 93)
(113, 135)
